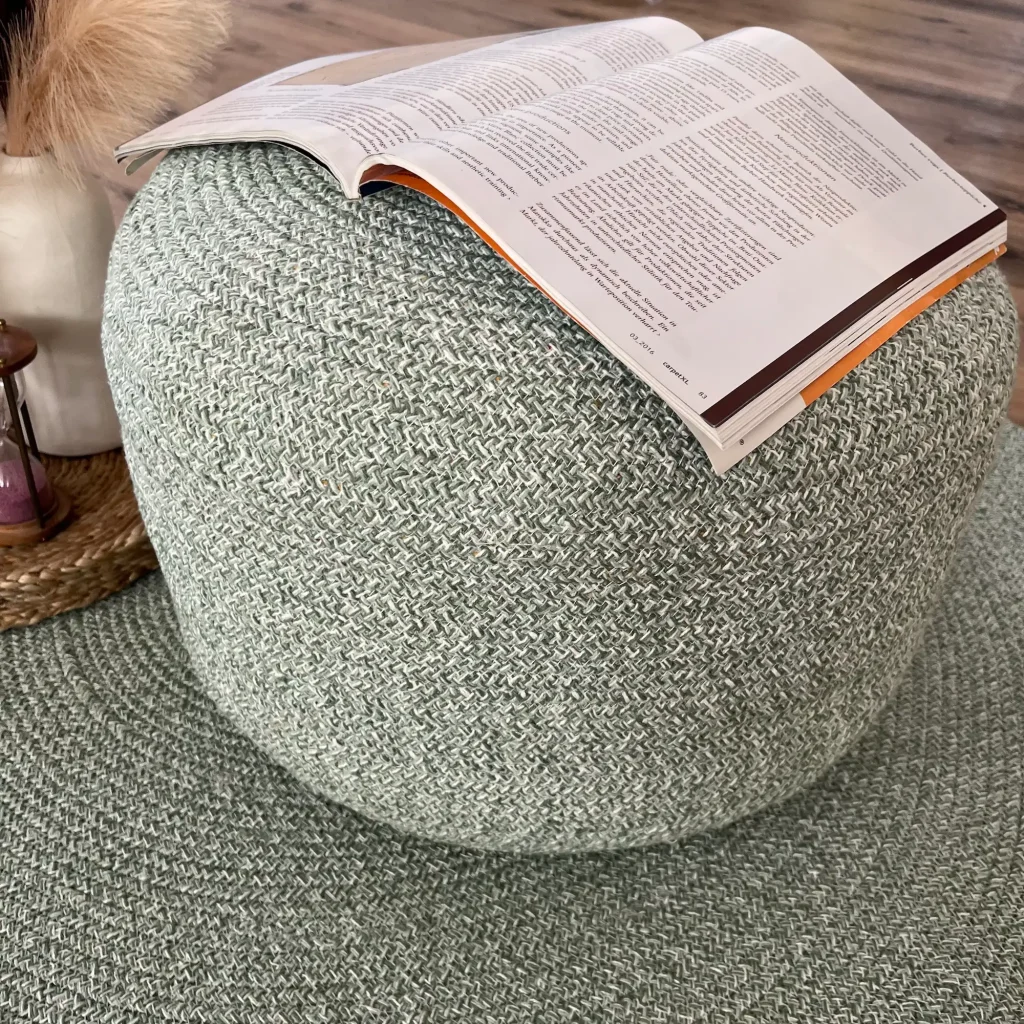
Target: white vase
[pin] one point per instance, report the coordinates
(55, 237)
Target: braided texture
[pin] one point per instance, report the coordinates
(103, 550)
(156, 866)
(449, 562)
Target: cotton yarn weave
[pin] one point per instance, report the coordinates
(156, 866)
(447, 561)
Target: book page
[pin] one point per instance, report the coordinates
(343, 109)
(704, 214)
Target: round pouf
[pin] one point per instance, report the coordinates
(446, 560)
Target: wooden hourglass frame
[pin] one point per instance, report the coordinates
(18, 349)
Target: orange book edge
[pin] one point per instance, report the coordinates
(839, 370)
(819, 385)
(415, 182)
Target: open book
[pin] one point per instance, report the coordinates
(733, 219)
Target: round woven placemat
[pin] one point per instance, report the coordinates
(104, 548)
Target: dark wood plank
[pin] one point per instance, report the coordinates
(951, 70)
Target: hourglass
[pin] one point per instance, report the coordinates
(31, 508)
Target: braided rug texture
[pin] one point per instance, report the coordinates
(156, 866)
(448, 561)
(103, 549)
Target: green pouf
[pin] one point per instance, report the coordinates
(157, 867)
(448, 562)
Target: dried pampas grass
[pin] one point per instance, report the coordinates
(84, 75)
(13, 13)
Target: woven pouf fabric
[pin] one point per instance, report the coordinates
(445, 559)
(156, 866)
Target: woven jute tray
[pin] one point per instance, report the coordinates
(104, 548)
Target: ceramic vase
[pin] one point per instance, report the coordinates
(55, 237)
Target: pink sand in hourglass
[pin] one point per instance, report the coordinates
(15, 499)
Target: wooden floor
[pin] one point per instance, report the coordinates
(951, 70)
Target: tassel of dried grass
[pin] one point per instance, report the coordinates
(13, 14)
(84, 75)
